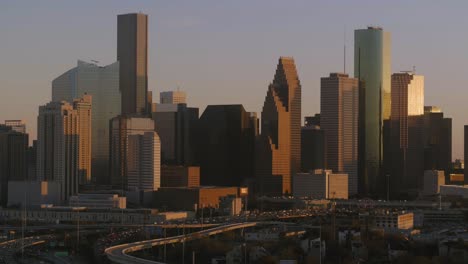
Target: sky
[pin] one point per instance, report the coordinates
(225, 52)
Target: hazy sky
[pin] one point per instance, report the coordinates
(224, 52)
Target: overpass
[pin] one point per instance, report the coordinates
(120, 253)
(96, 226)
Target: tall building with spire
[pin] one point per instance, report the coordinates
(279, 146)
(372, 67)
(132, 54)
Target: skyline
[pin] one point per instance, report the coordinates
(181, 39)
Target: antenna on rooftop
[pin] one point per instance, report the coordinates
(414, 69)
(344, 50)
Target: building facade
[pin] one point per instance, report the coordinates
(132, 54)
(33, 194)
(121, 127)
(13, 160)
(321, 184)
(173, 97)
(98, 200)
(394, 220)
(313, 148)
(433, 179)
(16, 125)
(190, 199)
(406, 132)
(102, 83)
(465, 152)
(144, 162)
(180, 176)
(339, 108)
(83, 110)
(62, 151)
(225, 145)
(278, 148)
(175, 124)
(437, 139)
(372, 67)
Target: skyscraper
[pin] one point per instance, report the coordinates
(102, 82)
(144, 162)
(62, 154)
(437, 139)
(224, 145)
(132, 54)
(372, 67)
(313, 148)
(13, 159)
(121, 127)
(339, 106)
(406, 132)
(82, 107)
(278, 148)
(465, 153)
(175, 123)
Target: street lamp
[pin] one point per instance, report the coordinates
(78, 209)
(245, 252)
(388, 186)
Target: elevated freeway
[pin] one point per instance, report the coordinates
(120, 253)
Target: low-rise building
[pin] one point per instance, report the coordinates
(456, 179)
(180, 176)
(33, 193)
(400, 220)
(433, 179)
(98, 201)
(454, 190)
(65, 214)
(432, 216)
(345, 237)
(321, 184)
(230, 205)
(262, 236)
(193, 198)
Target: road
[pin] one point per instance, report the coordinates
(119, 253)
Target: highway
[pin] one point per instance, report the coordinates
(10, 247)
(96, 226)
(119, 253)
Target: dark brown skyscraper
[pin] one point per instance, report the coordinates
(132, 54)
(224, 145)
(279, 147)
(13, 162)
(174, 124)
(437, 140)
(466, 154)
(313, 149)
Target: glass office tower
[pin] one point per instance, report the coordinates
(102, 82)
(372, 67)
